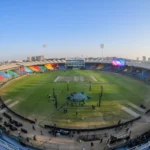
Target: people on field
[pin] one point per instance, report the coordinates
(34, 137)
(101, 140)
(33, 127)
(119, 121)
(127, 129)
(19, 133)
(41, 132)
(76, 113)
(92, 144)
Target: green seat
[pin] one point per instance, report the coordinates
(12, 74)
(43, 68)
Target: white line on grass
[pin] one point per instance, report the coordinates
(129, 111)
(93, 78)
(137, 107)
(56, 79)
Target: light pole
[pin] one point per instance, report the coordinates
(102, 46)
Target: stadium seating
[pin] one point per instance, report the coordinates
(12, 74)
(107, 67)
(27, 70)
(2, 78)
(61, 66)
(21, 70)
(126, 70)
(88, 66)
(100, 66)
(33, 68)
(43, 68)
(5, 75)
(49, 66)
(54, 66)
(37, 68)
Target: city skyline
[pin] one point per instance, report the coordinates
(74, 28)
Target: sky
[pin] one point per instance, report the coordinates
(74, 28)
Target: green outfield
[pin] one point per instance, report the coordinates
(30, 97)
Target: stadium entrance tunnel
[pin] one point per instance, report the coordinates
(78, 97)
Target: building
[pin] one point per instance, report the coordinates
(144, 58)
(149, 59)
(137, 58)
(35, 58)
(39, 58)
(29, 58)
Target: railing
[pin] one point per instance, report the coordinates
(8, 145)
(93, 129)
(141, 147)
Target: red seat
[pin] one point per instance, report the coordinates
(2, 78)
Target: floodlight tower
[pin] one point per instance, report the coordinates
(102, 46)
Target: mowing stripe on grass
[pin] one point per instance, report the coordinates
(93, 78)
(13, 104)
(129, 111)
(7, 101)
(56, 79)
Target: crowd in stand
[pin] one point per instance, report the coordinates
(142, 139)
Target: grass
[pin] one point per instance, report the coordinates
(32, 93)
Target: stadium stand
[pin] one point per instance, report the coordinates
(61, 66)
(142, 139)
(34, 68)
(27, 70)
(100, 66)
(43, 68)
(54, 66)
(21, 70)
(88, 66)
(107, 67)
(12, 74)
(2, 78)
(51, 66)
(5, 75)
(37, 68)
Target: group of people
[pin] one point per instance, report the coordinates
(144, 138)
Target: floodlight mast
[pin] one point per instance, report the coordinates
(102, 46)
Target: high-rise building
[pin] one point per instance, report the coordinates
(144, 58)
(137, 58)
(29, 58)
(39, 58)
(35, 58)
(149, 59)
